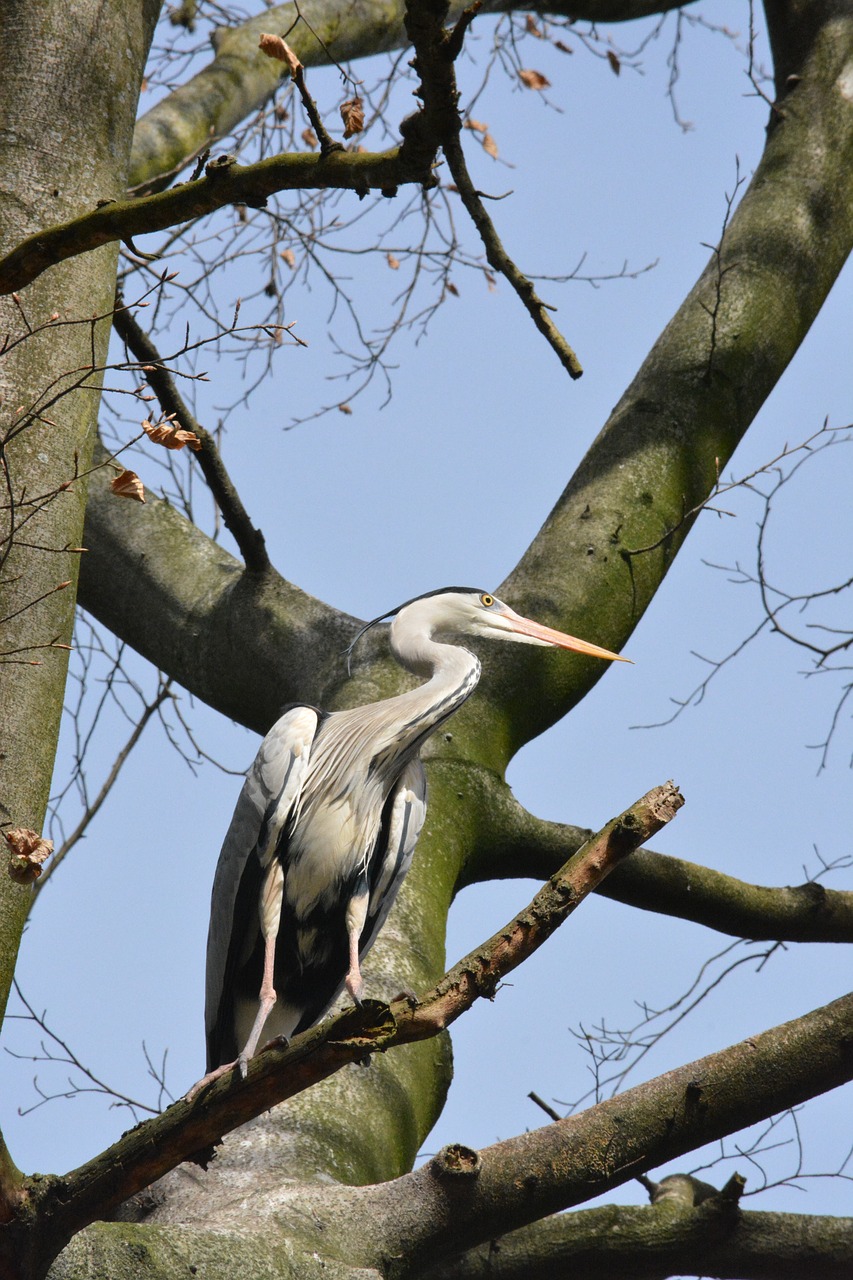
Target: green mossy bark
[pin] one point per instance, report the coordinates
(697, 393)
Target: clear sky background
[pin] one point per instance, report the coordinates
(449, 482)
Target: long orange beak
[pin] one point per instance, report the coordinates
(538, 634)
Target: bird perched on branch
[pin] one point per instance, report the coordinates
(325, 828)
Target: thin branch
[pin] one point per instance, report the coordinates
(249, 539)
(69, 1058)
(436, 51)
(225, 183)
(545, 1106)
(502, 262)
(151, 709)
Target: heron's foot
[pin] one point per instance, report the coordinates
(209, 1079)
(408, 996)
(355, 985)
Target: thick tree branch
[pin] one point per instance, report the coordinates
(225, 183)
(790, 913)
(661, 450)
(66, 1205)
(625, 1242)
(463, 1198)
(249, 539)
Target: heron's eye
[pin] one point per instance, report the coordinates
(487, 601)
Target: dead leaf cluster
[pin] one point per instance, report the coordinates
(27, 851)
(170, 435)
(489, 144)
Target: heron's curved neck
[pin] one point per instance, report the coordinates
(452, 674)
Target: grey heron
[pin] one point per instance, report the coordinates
(326, 825)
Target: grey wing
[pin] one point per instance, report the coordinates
(272, 788)
(403, 819)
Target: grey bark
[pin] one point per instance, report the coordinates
(621, 1242)
(65, 141)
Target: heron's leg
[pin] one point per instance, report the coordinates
(266, 1000)
(270, 913)
(355, 917)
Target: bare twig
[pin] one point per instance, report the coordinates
(720, 271)
(825, 645)
(151, 709)
(502, 262)
(67, 1057)
(249, 539)
(546, 1107)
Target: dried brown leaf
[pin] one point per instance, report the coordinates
(275, 47)
(345, 408)
(170, 435)
(352, 114)
(128, 485)
(490, 146)
(393, 263)
(310, 139)
(27, 852)
(532, 27)
(615, 64)
(451, 288)
(534, 79)
(564, 48)
(288, 256)
(476, 125)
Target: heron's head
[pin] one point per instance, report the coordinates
(466, 611)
